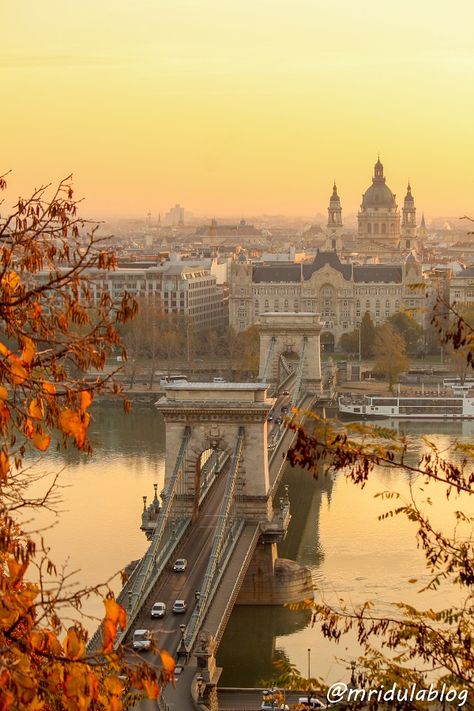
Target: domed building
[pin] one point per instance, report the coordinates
(379, 218)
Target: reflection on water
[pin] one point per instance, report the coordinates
(352, 555)
(334, 530)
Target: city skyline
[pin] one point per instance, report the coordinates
(239, 108)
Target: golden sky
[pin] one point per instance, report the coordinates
(239, 106)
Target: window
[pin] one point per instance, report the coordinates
(376, 229)
(369, 228)
(384, 227)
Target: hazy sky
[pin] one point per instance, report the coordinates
(239, 106)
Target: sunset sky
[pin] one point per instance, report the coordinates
(239, 106)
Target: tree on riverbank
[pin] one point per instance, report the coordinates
(53, 332)
(411, 643)
(389, 353)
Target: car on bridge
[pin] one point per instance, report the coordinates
(158, 609)
(286, 392)
(180, 607)
(141, 640)
(180, 565)
(269, 418)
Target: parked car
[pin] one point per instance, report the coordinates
(180, 606)
(180, 565)
(158, 609)
(141, 640)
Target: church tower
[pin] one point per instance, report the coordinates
(334, 226)
(408, 236)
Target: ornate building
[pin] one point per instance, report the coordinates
(341, 293)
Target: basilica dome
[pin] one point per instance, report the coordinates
(378, 195)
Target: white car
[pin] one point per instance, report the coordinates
(141, 640)
(180, 565)
(158, 609)
(179, 607)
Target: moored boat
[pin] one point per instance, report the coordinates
(415, 406)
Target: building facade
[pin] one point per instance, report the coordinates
(181, 289)
(340, 293)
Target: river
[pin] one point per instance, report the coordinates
(334, 530)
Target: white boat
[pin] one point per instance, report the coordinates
(414, 406)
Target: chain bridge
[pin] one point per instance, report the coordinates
(226, 449)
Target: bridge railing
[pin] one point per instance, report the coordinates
(227, 532)
(268, 360)
(299, 374)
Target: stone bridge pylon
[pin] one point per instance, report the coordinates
(296, 335)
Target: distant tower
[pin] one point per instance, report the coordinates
(148, 219)
(334, 226)
(422, 232)
(408, 236)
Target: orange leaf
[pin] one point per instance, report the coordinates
(48, 387)
(10, 280)
(168, 663)
(4, 415)
(29, 430)
(3, 393)
(18, 372)
(115, 612)
(41, 440)
(36, 409)
(75, 425)
(113, 685)
(4, 466)
(109, 634)
(73, 645)
(28, 350)
(85, 399)
(151, 687)
(4, 351)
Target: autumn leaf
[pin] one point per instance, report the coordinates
(41, 440)
(28, 428)
(169, 664)
(4, 351)
(18, 372)
(28, 350)
(3, 393)
(74, 424)
(48, 387)
(74, 647)
(10, 280)
(85, 399)
(4, 466)
(109, 635)
(36, 409)
(115, 613)
(151, 687)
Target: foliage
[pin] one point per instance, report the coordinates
(349, 342)
(367, 336)
(412, 642)
(409, 329)
(389, 352)
(54, 331)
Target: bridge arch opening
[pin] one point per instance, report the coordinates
(327, 342)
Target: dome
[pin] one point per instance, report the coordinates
(378, 195)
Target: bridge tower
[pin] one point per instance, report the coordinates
(214, 413)
(291, 333)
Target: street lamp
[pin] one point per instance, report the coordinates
(309, 664)
(197, 597)
(182, 644)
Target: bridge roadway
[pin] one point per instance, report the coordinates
(196, 548)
